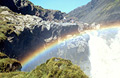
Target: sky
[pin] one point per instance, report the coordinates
(62, 5)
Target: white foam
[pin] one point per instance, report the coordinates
(104, 58)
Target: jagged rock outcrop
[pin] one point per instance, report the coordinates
(53, 68)
(27, 7)
(7, 64)
(21, 34)
(99, 11)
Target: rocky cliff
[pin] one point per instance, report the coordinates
(99, 11)
(27, 7)
(20, 34)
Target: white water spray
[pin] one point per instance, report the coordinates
(104, 57)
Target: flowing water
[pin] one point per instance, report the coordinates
(104, 48)
(96, 52)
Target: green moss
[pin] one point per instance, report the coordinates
(2, 37)
(16, 74)
(53, 68)
(117, 0)
(2, 55)
(7, 65)
(58, 68)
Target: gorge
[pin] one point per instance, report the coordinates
(89, 37)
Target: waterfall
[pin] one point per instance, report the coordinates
(104, 55)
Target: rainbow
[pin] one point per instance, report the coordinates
(30, 57)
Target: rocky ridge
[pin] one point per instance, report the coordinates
(99, 11)
(26, 7)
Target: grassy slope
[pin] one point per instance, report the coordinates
(101, 11)
(53, 68)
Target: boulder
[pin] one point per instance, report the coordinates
(7, 64)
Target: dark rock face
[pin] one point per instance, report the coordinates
(29, 41)
(99, 11)
(22, 44)
(28, 32)
(7, 64)
(26, 7)
(9, 3)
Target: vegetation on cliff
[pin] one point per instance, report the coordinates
(7, 64)
(7, 26)
(57, 68)
(53, 68)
